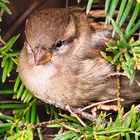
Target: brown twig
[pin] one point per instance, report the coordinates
(107, 107)
(1, 12)
(44, 124)
(102, 102)
(138, 82)
(137, 108)
(69, 127)
(100, 13)
(116, 74)
(40, 125)
(118, 87)
(61, 130)
(10, 102)
(121, 74)
(76, 116)
(81, 113)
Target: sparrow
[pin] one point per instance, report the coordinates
(61, 63)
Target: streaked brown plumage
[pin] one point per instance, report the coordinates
(61, 62)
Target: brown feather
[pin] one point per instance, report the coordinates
(76, 74)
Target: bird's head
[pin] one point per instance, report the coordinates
(51, 34)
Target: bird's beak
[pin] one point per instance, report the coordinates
(42, 56)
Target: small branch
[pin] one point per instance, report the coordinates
(1, 12)
(10, 102)
(2, 42)
(138, 82)
(69, 127)
(102, 102)
(96, 13)
(76, 116)
(116, 74)
(122, 74)
(107, 107)
(75, 111)
(118, 87)
(86, 115)
(44, 124)
(137, 108)
(61, 130)
(40, 125)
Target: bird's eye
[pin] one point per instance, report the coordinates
(59, 43)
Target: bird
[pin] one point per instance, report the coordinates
(61, 64)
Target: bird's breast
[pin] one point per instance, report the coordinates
(49, 86)
(39, 78)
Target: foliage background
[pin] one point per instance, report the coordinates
(20, 116)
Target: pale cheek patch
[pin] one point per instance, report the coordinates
(64, 49)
